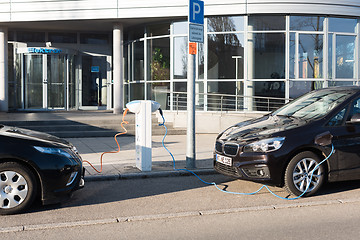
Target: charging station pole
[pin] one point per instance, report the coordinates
(196, 35)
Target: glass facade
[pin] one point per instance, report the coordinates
(62, 71)
(246, 63)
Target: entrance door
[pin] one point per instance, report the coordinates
(94, 81)
(56, 81)
(34, 81)
(45, 80)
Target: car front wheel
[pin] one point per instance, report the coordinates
(302, 175)
(17, 188)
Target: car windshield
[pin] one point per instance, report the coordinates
(314, 104)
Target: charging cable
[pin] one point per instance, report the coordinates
(115, 137)
(240, 193)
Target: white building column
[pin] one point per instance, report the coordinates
(4, 104)
(118, 76)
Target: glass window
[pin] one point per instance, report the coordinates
(180, 96)
(30, 37)
(270, 91)
(201, 60)
(310, 23)
(355, 108)
(159, 92)
(342, 25)
(126, 93)
(345, 56)
(180, 57)
(93, 38)
(298, 88)
(159, 59)
(138, 63)
(62, 37)
(180, 27)
(315, 104)
(266, 55)
(158, 30)
(228, 100)
(225, 24)
(225, 56)
(137, 91)
(127, 64)
(341, 83)
(330, 56)
(337, 119)
(261, 23)
(292, 59)
(310, 55)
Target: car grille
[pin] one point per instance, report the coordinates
(227, 170)
(231, 149)
(218, 147)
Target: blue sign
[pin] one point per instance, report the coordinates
(44, 50)
(95, 69)
(196, 33)
(196, 11)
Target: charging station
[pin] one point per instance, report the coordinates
(143, 131)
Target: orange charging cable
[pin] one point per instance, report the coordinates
(115, 137)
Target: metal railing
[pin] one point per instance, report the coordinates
(224, 102)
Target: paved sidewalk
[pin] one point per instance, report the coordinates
(122, 165)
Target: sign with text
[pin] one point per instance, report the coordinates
(196, 33)
(192, 48)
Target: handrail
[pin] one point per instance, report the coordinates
(224, 102)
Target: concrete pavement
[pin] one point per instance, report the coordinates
(122, 165)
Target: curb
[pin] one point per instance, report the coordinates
(140, 175)
(165, 216)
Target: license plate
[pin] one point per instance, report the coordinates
(224, 160)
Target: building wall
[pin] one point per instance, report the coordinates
(45, 10)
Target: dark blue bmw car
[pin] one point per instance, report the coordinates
(283, 147)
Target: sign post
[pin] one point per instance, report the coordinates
(196, 35)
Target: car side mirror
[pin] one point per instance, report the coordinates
(354, 119)
(324, 139)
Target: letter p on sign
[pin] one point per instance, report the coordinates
(196, 11)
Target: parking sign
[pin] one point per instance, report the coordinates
(196, 12)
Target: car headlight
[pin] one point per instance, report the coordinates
(266, 145)
(56, 151)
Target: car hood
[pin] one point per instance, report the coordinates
(33, 135)
(260, 128)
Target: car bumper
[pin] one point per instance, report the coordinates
(258, 168)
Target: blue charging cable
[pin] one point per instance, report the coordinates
(239, 193)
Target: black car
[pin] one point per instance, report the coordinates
(282, 148)
(36, 165)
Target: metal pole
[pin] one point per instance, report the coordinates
(190, 133)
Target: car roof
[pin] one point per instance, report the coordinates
(341, 88)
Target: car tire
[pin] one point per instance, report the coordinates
(298, 174)
(18, 188)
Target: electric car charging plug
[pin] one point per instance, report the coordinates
(115, 137)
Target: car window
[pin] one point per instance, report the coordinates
(314, 104)
(355, 108)
(337, 119)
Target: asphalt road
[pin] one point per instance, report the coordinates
(185, 208)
